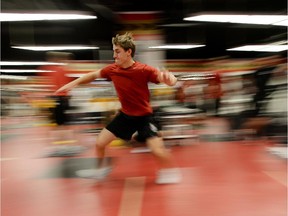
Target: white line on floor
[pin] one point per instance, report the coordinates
(131, 201)
(8, 159)
(279, 176)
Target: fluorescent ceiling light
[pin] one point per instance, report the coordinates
(281, 20)
(261, 48)
(6, 17)
(15, 63)
(177, 25)
(282, 23)
(176, 46)
(50, 48)
(13, 77)
(282, 42)
(22, 71)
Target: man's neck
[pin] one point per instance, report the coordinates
(128, 64)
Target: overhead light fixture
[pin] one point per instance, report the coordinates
(177, 25)
(25, 16)
(16, 63)
(261, 48)
(50, 48)
(280, 20)
(176, 46)
(13, 77)
(22, 71)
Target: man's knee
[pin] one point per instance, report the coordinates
(102, 143)
(156, 145)
(104, 138)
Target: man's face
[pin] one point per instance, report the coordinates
(120, 55)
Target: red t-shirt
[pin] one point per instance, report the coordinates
(131, 85)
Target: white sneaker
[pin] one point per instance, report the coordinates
(99, 174)
(168, 176)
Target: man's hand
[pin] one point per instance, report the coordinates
(164, 76)
(65, 88)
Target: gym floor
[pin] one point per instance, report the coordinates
(220, 178)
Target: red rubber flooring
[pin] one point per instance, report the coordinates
(219, 179)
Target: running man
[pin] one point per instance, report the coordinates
(130, 79)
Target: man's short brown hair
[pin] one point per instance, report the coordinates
(125, 41)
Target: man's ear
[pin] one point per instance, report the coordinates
(129, 51)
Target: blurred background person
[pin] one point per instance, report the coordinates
(267, 67)
(212, 94)
(55, 76)
(257, 118)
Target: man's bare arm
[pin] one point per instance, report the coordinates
(89, 77)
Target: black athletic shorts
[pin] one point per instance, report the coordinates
(124, 126)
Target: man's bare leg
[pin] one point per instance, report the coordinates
(158, 149)
(168, 173)
(103, 140)
(102, 169)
